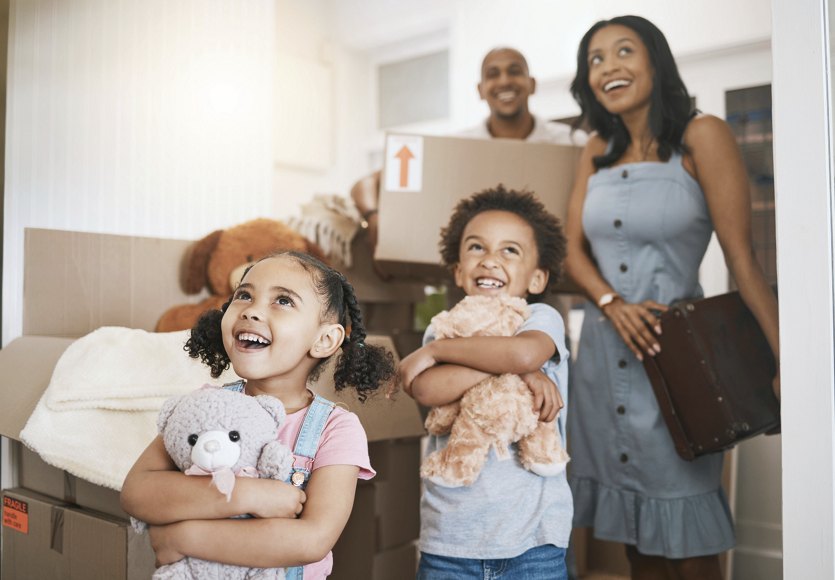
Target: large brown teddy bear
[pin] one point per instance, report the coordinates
(218, 261)
(494, 413)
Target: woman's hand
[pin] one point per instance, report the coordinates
(547, 400)
(637, 325)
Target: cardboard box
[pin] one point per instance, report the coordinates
(398, 475)
(418, 193)
(37, 475)
(27, 537)
(369, 286)
(44, 538)
(354, 557)
(86, 267)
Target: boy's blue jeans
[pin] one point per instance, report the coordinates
(540, 563)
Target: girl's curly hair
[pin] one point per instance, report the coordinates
(547, 229)
(361, 366)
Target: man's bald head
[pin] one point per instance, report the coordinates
(503, 52)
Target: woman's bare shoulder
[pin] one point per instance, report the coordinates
(706, 129)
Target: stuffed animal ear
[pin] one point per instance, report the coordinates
(166, 410)
(193, 269)
(274, 407)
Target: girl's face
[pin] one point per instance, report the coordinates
(620, 71)
(273, 327)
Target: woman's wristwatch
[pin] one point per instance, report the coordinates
(366, 215)
(607, 299)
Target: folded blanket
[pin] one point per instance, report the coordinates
(99, 411)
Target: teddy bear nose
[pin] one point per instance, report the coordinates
(212, 446)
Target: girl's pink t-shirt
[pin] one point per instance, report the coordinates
(343, 442)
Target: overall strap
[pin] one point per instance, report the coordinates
(307, 444)
(237, 386)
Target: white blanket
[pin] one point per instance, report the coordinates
(99, 411)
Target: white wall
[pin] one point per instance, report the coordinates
(804, 136)
(143, 117)
(304, 33)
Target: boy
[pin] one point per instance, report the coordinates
(510, 523)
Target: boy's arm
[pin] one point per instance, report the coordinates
(443, 384)
(523, 353)
(157, 493)
(268, 543)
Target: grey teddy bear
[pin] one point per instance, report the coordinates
(225, 434)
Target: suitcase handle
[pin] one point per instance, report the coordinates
(662, 393)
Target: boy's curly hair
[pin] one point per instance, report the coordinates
(361, 366)
(547, 228)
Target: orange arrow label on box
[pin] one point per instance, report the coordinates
(404, 163)
(404, 155)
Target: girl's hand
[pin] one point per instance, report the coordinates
(414, 364)
(163, 539)
(635, 323)
(271, 498)
(547, 400)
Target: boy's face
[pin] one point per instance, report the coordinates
(498, 255)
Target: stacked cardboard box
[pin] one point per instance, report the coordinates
(46, 538)
(388, 305)
(127, 281)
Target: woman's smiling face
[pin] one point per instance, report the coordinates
(621, 75)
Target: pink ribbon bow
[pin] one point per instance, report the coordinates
(223, 478)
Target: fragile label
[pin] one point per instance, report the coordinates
(16, 514)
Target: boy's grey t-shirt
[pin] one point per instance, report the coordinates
(508, 510)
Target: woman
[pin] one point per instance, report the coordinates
(652, 184)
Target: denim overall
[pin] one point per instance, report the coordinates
(307, 443)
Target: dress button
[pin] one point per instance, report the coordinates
(624, 267)
(618, 223)
(624, 458)
(621, 410)
(625, 174)
(622, 363)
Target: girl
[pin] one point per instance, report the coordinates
(652, 184)
(289, 314)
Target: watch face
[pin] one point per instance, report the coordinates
(297, 478)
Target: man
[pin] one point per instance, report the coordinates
(505, 85)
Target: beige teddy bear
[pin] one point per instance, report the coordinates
(494, 413)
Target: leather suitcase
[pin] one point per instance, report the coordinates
(713, 375)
